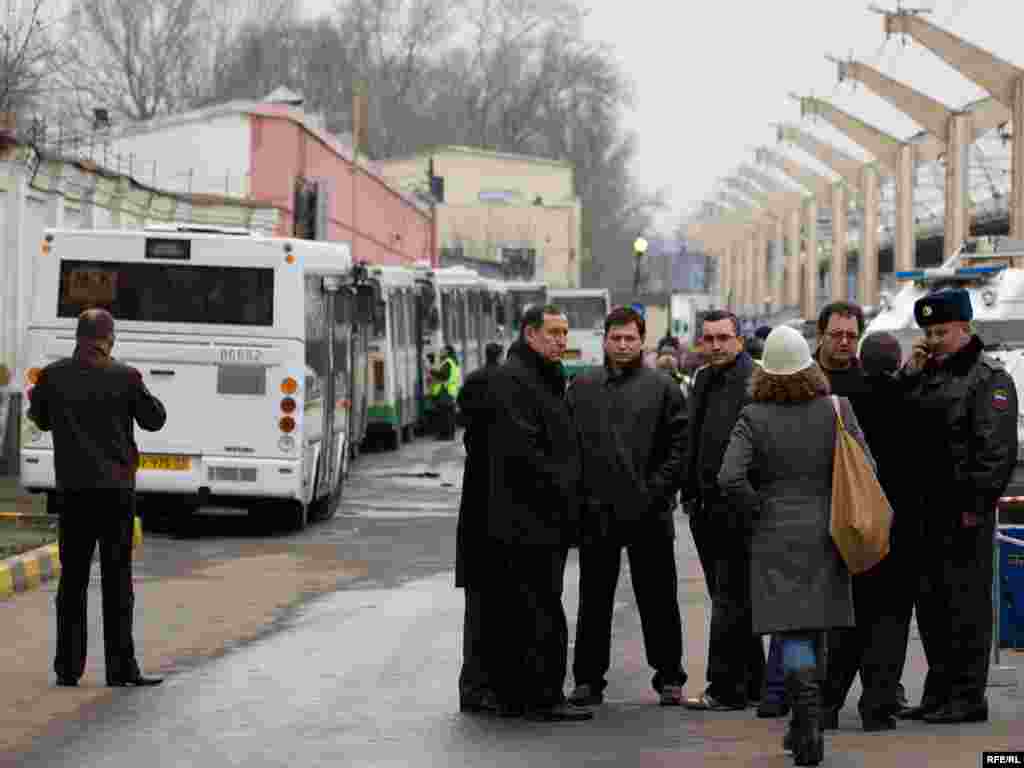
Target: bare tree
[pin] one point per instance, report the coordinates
(28, 55)
(138, 58)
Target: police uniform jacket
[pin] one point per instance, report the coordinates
(532, 455)
(91, 403)
(632, 429)
(965, 434)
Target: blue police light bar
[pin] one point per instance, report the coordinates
(990, 270)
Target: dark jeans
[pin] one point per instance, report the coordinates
(88, 517)
(475, 677)
(532, 633)
(652, 568)
(444, 416)
(877, 646)
(774, 690)
(735, 654)
(954, 612)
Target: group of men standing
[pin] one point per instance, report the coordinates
(598, 465)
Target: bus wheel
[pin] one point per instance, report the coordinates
(298, 515)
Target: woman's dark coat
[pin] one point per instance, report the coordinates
(778, 472)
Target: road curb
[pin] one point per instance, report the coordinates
(36, 567)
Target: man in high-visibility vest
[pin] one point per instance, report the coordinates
(445, 381)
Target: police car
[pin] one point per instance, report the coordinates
(991, 269)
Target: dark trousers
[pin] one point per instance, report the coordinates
(877, 646)
(475, 677)
(652, 568)
(736, 661)
(86, 518)
(954, 612)
(532, 634)
(444, 416)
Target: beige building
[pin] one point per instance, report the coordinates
(504, 215)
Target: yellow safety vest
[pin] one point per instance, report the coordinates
(454, 383)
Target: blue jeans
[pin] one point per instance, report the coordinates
(774, 678)
(799, 650)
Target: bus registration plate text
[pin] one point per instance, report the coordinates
(172, 463)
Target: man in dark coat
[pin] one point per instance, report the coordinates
(840, 326)
(91, 404)
(533, 516)
(476, 692)
(876, 648)
(964, 418)
(735, 656)
(632, 427)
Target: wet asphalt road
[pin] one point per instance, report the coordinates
(365, 676)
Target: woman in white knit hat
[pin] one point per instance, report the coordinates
(778, 472)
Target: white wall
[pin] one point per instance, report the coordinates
(216, 150)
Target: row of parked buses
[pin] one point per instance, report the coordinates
(277, 359)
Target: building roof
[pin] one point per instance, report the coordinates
(479, 152)
(278, 104)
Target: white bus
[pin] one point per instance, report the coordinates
(394, 357)
(586, 309)
(245, 339)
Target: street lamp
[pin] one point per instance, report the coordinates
(639, 249)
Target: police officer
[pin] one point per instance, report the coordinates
(965, 425)
(91, 404)
(445, 381)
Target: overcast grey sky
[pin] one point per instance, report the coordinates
(711, 76)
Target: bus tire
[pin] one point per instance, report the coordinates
(298, 515)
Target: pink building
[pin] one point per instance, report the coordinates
(275, 153)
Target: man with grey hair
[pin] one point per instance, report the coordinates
(91, 403)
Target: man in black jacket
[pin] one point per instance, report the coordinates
(91, 404)
(883, 602)
(632, 427)
(964, 423)
(472, 553)
(735, 655)
(532, 516)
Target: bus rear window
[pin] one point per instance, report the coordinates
(168, 293)
(583, 312)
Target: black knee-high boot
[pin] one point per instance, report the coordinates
(805, 734)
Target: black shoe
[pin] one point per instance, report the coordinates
(918, 712)
(483, 702)
(510, 710)
(585, 695)
(768, 708)
(67, 682)
(874, 723)
(139, 680)
(958, 712)
(560, 713)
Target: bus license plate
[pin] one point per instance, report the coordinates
(165, 462)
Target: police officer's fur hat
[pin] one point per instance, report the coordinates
(949, 305)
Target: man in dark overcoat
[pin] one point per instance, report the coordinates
(476, 692)
(632, 426)
(91, 404)
(735, 657)
(533, 516)
(964, 420)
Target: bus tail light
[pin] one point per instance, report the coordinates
(289, 386)
(286, 424)
(288, 405)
